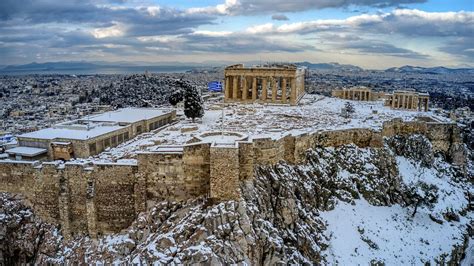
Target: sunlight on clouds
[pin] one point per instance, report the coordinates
(221, 9)
(159, 38)
(153, 10)
(264, 28)
(116, 30)
(212, 33)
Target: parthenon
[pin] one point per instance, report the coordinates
(266, 84)
(408, 99)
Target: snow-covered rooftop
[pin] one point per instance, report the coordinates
(26, 151)
(71, 133)
(127, 115)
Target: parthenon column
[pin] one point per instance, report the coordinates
(227, 88)
(426, 104)
(254, 89)
(283, 90)
(394, 97)
(274, 89)
(264, 89)
(235, 89)
(244, 89)
(293, 91)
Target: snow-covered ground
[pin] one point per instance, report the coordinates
(363, 233)
(395, 237)
(314, 113)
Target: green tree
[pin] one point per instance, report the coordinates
(193, 104)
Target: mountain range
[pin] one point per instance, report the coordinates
(124, 67)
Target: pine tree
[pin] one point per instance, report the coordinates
(193, 105)
(176, 97)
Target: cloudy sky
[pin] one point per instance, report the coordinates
(368, 33)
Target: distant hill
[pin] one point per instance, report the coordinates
(430, 70)
(83, 67)
(51, 66)
(329, 66)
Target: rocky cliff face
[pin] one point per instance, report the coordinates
(344, 205)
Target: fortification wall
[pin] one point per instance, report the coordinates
(358, 136)
(18, 177)
(46, 191)
(196, 168)
(113, 189)
(224, 172)
(104, 198)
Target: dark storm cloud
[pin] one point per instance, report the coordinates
(241, 43)
(374, 47)
(140, 21)
(462, 47)
(249, 7)
(279, 17)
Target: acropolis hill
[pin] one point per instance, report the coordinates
(211, 158)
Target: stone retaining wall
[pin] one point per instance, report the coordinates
(105, 198)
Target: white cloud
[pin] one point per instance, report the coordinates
(116, 30)
(403, 21)
(212, 33)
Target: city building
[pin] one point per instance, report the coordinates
(274, 83)
(408, 99)
(90, 135)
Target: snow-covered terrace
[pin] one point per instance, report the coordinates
(315, 113)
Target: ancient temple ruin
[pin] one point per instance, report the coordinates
(275, 83)
(359, 93)
(408, 99)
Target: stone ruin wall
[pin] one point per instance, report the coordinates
(105, 198)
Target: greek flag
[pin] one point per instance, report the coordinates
(214, 86)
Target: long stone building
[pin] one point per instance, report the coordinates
(265, 84)
(90, 135)
(408, 99)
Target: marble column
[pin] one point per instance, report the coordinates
(292, 91)
(254, 89)
(227, 88)
(274, 90)
(394, 97)
(235, 87)
(264, 89)
(245, 89)
(283, 90)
